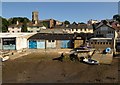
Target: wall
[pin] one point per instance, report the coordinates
(0, 43)
(21, 43)
(78, 43)
(50, 44)
(101, 44)
(104, 30)
(15, 29)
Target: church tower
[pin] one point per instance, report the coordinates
(35, 17)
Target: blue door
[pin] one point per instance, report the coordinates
(41, 44)
(32, 44)
(65, 44)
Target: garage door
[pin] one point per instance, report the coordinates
(65, 44)
(41, 44)
(32, 44)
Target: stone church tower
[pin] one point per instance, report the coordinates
(35, 17)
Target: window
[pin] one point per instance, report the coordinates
(103, 42)
(18, 31)
(100, 42)
(109, 43)
(13, 31)
(106, 42)
(12, 27)
(91, 42)
(49, 40)
(53, 40)
(95, 42)
(81, 29)
(85, 29)
(72, 29)
(76, 29)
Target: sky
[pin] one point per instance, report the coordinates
(71, 11)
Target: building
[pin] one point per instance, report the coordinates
(51, 23)
(35, 25)
(92, 21)
(35, 18)
(102, 43)
(79, 28)
(105, 30)
(50, 41)
(15, 28)
(104, 36)
(14, 41)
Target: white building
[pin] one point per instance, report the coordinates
(14, 41)
(15, 28)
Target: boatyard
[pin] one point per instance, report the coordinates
(38, 67)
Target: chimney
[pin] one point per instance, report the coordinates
(17, 22)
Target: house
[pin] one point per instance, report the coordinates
(14, 41)
(51, 23)
(92, 21)
(37, 27)
(15, 28)
(78, 28)
(104, 29)
(104, 36)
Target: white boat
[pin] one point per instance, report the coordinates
(4, 58)
(90, 61)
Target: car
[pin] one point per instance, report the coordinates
(90, 61)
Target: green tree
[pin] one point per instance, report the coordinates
(116, 17)
(45, 24)
(4, 25)
(24, 26)
(66, 22)
(20, 19)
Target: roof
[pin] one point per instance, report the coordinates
(100, 38)
(62, 36)
(56, 30)
(50, 36)
(32, 25)
(106, 24)
(16, 25)
(13, 35)
(80, 26)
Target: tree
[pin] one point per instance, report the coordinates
(24, 26)
(66, 22)
(4, 25)
(45, 24)
(20, 19)
(116, 17)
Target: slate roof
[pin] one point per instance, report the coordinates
(50, 36)
(32, 25)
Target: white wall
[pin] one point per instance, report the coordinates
(21, 43)
(15, 29)
(51, 44)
